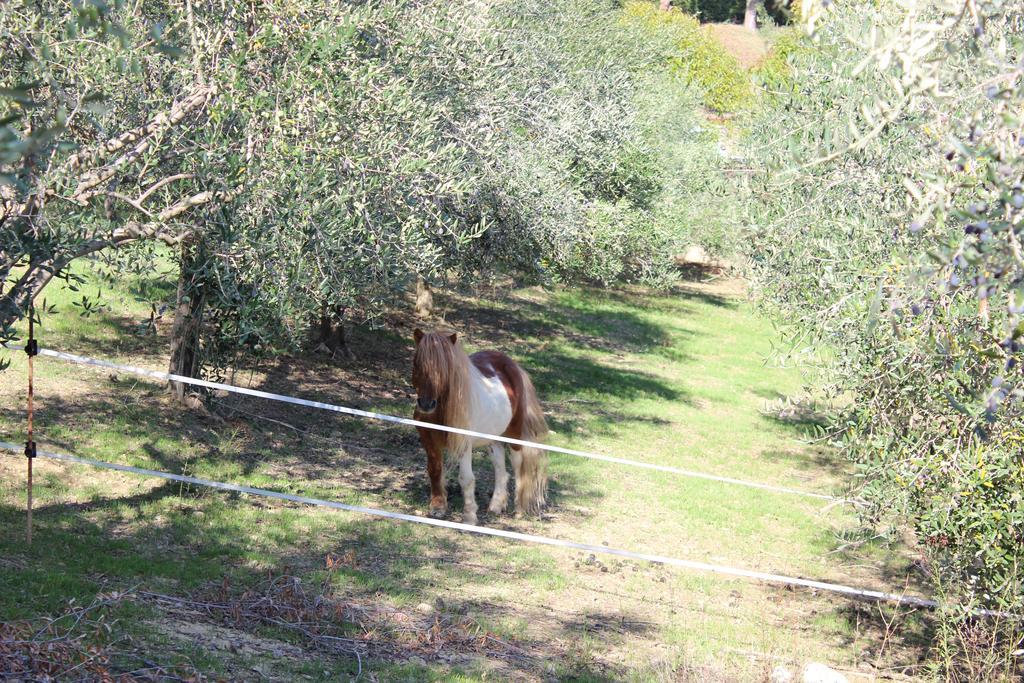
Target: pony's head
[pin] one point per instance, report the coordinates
(437, 369)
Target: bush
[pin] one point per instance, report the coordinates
(584, 191)
(539, 141)
(701, 59)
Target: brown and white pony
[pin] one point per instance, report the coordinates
(489, 393)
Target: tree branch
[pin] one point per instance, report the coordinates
(157, 185)
(162, 121)
(183, 205)
(134, 230)
(133, 202)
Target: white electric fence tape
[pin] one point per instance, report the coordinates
(516, 536)
(84, 360)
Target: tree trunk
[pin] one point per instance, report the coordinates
(750, 16)
(15, 301)
(329, 332)
(424, 298)
(188, 322)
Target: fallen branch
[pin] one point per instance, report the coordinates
(262, 417)
(82, 650)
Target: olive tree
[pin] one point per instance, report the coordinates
(105, 140)
(306, 163)
(437, 142)
(887, 230)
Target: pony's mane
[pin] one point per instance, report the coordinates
(447, 365)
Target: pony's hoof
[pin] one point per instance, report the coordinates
(437, 513)
(497, 508)
(469, 519)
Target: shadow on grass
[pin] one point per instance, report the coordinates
(180, 543)
(102, 335)
(187, 537)
(810, 459)
(591, 321)
(887, 628)
(768, 394)
(690, 293)
(378, 380)
(597, 322)
(123, 409)
(107, 329)
(678, 299)
(890, 628)
(806, 424)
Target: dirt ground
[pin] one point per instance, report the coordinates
(746, 46)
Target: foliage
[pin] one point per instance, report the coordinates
(891, 243)
(104, 140)
(697, 55)
(775, 73)
(361, 179)
(602, 124)
(568, 94)
(332, 154)
(460, 146)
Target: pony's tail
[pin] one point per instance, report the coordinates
(532, 477)
(531, 481)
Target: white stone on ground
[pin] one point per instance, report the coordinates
(819, 673)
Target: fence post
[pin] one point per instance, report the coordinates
(31, 348)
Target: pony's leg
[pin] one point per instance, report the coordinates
(435, 470)
(467, 483)
(500, 498)
(516, 455)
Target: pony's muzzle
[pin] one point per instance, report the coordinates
(426, 405)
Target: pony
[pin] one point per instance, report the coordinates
(489, 393)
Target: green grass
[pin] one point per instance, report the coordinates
(678, 379)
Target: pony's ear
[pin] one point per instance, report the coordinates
(453, 337)
(417, 334)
